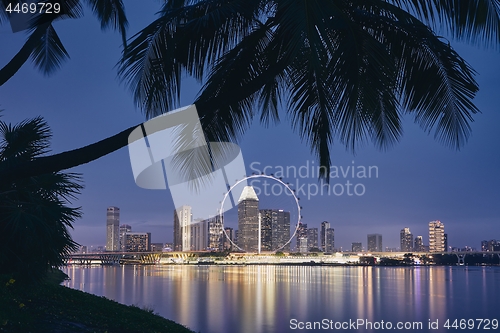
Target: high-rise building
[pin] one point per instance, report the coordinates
(375, 243)
(198, 232)
(406, 240)
(356, 247)
(281, 231)
(484, 246)
(268, 223)
(312, 238)
(302, 238)
(325, 225)
(436, 236)
(137, 241)
(124, 228)
(445, 242)
(215, 234)
(248, 220)
(177, 244)
(182, 230)
(419, 244)
(113, 229)
(492, 245)
(227, 245)
(330, 240)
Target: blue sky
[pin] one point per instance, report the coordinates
(419, 180)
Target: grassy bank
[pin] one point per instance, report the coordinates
(50, 307)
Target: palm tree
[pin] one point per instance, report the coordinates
(344, 70)
(43, 44)
(34, 216)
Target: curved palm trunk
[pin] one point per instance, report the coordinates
(23, 55)
(67, 159)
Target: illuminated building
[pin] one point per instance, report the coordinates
(356, 247)
(406, 240)
(113, 229)
(302, 238)
(124, 228)
(248, 220)
(312, 238)
(330, 240)
(375, 243)
(325, 225)
(137, 241)
(275, 229)
(436, 236)
(182, 230)
(419, 244)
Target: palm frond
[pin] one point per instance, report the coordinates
(347, 70)
(111, 14)
(182, 40)
(34, 214)
(28, 139)
(476, 22)
(49, 53)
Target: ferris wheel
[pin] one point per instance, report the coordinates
(286, 189)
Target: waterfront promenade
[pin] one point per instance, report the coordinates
(338, 258)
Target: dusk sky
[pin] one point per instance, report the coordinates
(419, 180)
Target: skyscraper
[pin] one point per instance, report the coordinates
(124, 228)
(248, 220)
(436, 236)
(198, 233)
(312, 238)
(227, 245)
(375, 243)
(330, 240)
(302, 238)
(324, 226)
(215, 233)
(275, 229)
(406, 240)
(484, 246)
(282, 231)
(113, 229)
(419, 244)
(182, 230)
(268, 224)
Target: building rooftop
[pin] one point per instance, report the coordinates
(248, 193)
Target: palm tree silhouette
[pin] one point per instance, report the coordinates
(34, 216)
(344, 71)
(43, 44)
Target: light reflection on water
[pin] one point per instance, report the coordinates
(219, 299)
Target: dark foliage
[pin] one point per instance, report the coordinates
(34, 216)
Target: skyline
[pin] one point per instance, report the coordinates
(410, 243)
(418, 180)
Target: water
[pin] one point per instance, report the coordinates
(258, 299)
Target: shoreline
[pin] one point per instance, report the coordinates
(51, 307)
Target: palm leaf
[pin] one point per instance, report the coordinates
(474, 21)
(28, 139)
(348, 70)
(49, 53)
(111, 14)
